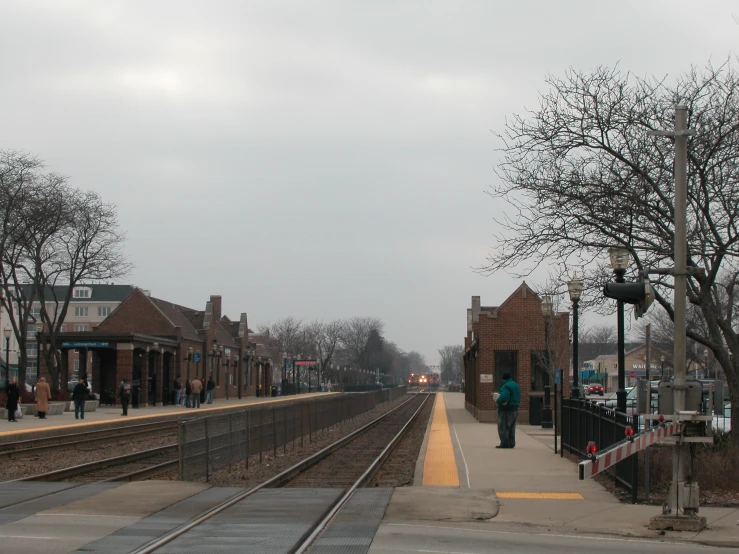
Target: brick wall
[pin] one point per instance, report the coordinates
(517, 325)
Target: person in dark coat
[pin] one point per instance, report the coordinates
(211, 387)
(13, 395)
(124, 393)
(79, 396)
(188, 393)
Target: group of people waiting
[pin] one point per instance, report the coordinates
(193, 392)
(42, 396)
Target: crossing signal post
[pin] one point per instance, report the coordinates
(638, 293)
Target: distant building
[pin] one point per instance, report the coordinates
(512, 338)
(89, 305)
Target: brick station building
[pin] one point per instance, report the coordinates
(150, 342)
(512, 338)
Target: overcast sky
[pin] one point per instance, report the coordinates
(322, 159)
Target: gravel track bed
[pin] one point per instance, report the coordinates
(71, 455)
(400, 468)
(240, 476)
(342, 468)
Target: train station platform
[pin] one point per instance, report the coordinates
(467, 483)
(110, 416)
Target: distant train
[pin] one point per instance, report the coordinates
(434, 380)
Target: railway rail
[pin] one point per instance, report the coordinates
(37, 446)
(129, 467)
(370, 443)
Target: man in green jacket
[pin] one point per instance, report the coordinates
(508, 402)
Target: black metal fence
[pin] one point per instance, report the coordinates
(216, 442)
(584, 421)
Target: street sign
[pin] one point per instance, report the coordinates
(196, 357)
(632, 374)
(557, 376)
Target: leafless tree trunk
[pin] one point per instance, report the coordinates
(583, 173)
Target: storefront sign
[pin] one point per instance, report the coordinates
(486, 377)
(85, 345)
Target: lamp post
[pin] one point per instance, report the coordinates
(619, 258)
(7, 333)
(546, 416)
(705, 357)
(575, 287)
(226, 365)
(296, 369)
(39, 336)
(662, 367)
(188, 359)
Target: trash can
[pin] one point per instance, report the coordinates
(536, 407)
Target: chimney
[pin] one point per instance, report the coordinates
(475, 309)
(215, 301)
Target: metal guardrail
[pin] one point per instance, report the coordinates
(216, 442)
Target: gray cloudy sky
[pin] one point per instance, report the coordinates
(319, 159)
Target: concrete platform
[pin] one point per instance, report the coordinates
(511, 494)
(108, 416)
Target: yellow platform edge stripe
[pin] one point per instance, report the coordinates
(439, 466)
(541, 495)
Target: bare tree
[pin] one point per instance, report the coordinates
(355, 334)
(451, 360)
(598, 334)
(326, 337)
(583, 172)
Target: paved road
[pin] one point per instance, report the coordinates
(439, 539)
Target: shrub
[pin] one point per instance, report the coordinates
(59, 396)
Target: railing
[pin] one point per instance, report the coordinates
(216, 442)
(584, 421)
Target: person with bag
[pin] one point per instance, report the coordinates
(13, 395)
(79, 397)
(196, 387)
(43, 395)
(124, 393)
(508, 402)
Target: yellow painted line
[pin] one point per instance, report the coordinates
(165, 415)
(439, 466)
(541, 495)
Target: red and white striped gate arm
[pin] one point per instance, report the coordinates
(623, 450)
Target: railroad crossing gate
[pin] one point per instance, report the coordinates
(618, 452)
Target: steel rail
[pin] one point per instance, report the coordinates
(366, 476)
(88, 467)
(276, 481)
(82, 438)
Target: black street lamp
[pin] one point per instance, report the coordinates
(619, 258)
(546, 416)
(188, 359)
(662, 368)
(226, 365)
(575, 288)
(7, 332)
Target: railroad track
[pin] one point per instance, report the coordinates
(129, 467)
(363, 444)
(36, 446)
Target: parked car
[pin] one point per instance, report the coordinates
(596, 388)
(723, 423)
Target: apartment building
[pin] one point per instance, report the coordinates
(89, 306)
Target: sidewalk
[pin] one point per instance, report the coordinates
(106, 414)
(534, 488)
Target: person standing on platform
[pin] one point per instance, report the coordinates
(177, 390)
(196, 387)
(79, 397)
(124, 393)
(13, 395)
(43, 395)
(508, 402)
(211, 388)
(188, 393)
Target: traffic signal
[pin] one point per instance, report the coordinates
(639, 293)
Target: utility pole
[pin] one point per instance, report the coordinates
(681, 453)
